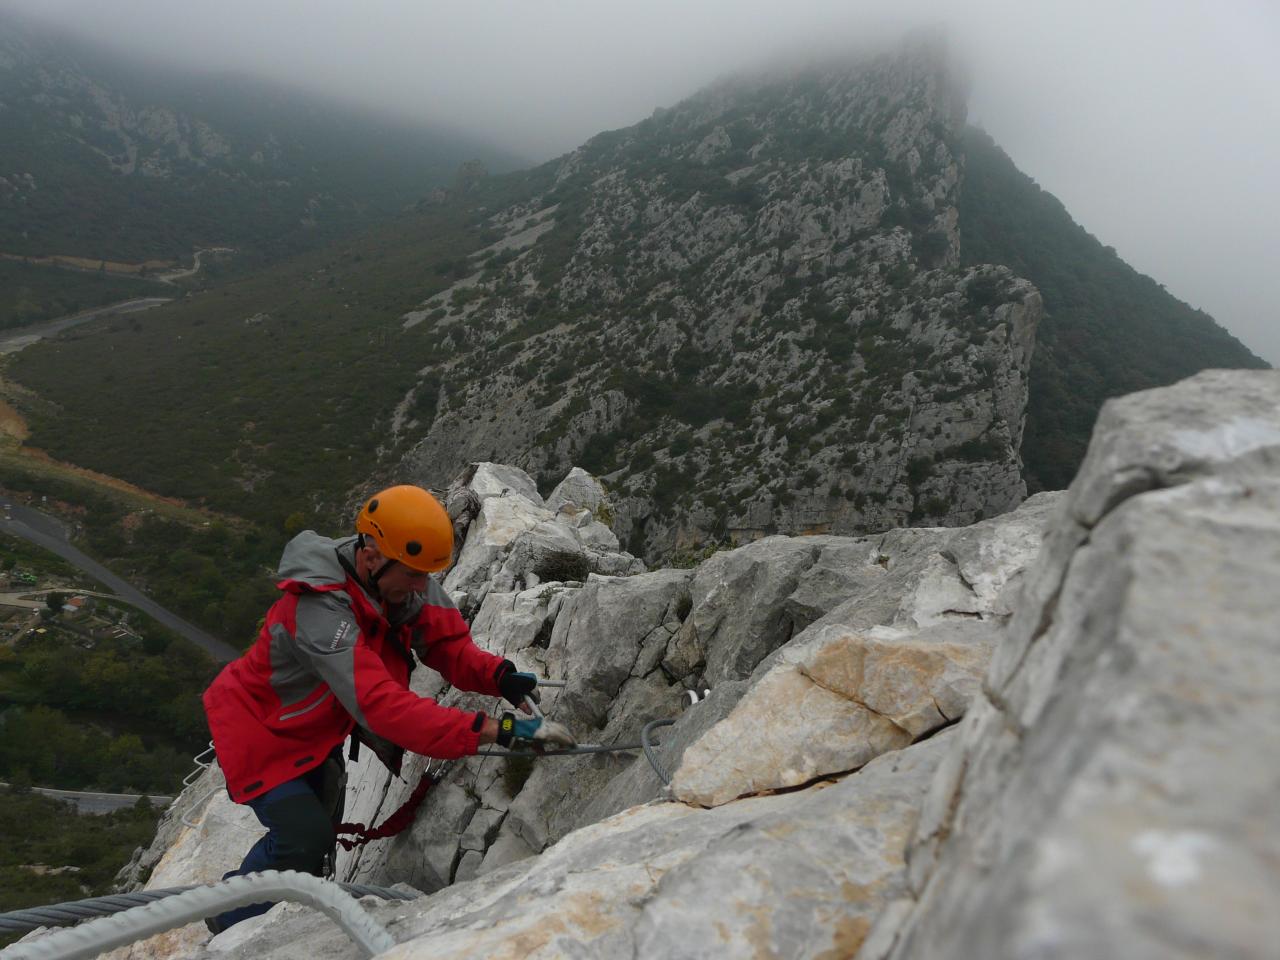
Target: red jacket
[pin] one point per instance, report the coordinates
(329, 657)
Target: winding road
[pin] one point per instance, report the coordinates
(46, 531)
(13, 340)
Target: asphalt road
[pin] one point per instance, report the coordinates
(48, 532)
(14, 340)
(89, 802)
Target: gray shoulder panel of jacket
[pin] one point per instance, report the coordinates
(292, 677)
(434, 595)
(326, 637)
(437, 596)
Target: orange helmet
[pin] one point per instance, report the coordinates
(409, 525)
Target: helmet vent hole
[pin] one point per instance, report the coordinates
(373, 504)
(413, 548)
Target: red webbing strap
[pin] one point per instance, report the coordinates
(392, 825)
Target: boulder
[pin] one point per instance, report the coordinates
(500, 480)
(832, 703)
(580, 490)
(901, 656)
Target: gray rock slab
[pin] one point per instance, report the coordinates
(468, 866)
(518, 624)
(508, 848)
(579, 489)
(426, 857)
(739, 606)
(834, 700)
(549, 550)
(482, 829)
(796, 875)
(1109, 794)
(500, 479)
(501, 520)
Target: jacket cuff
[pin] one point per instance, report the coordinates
(477, 723)
(505, 667)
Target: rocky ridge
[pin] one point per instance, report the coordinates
(1102, 795)
(770, 331)
(628, 647)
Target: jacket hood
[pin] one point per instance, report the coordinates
(312, 560)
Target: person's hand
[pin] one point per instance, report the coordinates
(536, 731)
(515, 686)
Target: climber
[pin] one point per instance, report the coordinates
(333, 659)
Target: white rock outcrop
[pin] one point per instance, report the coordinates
(1108, 792)
(628, 646)
(1113, 788)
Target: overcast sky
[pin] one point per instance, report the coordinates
(1157, 122)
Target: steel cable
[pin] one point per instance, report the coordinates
(122, 916)
(106, 933)
(65, 914)
(649, 751)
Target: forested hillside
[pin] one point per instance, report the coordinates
(750, 316)
(106, 158)
(29, 294)
(790, 303)
(266, 396)
(52, 854)
(1108, 330)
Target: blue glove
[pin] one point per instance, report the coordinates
(516, 686)
(533, 730)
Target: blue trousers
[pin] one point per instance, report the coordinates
(299, 835)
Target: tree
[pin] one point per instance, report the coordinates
(55, 600)
(295, 522)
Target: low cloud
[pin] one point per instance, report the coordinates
(1154, 122)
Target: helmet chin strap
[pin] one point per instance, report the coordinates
(377, 574)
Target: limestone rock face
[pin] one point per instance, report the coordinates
(833, 702)
(182, 855)
(1109, 794)
(1106, 794)
(516, 542)
(769, 330)
(628, 647)
(800, 875)
(899, 658)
